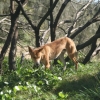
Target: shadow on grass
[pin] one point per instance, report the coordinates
(84, 84)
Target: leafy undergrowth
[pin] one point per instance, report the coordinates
(27, 83)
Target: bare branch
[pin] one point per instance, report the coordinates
(25, 15)
(96, 51)
(2, 38)
(42, 37)
(4, 15)
(81, 11)
(95, 37)
(4, 30)
(92, 20)
(3, 19)
(47, 14)
(78, 15)
(63, 22)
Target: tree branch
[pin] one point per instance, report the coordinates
(93, 47)
(89, 41)
(47, 14)
(96, 51)
(92, 20)
(78, 15)
(25, 15)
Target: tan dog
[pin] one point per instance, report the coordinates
(54, 50)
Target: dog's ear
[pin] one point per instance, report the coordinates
(30, 49)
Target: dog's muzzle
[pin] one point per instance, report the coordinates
(36, 65)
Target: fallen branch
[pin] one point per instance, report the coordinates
(96, 51)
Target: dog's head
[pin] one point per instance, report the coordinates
(36, 55)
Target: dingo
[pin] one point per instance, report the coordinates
(53, 50)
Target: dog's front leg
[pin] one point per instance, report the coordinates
(47, 64)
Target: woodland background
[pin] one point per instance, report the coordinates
(36, 22)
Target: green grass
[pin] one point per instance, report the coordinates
(27, 83)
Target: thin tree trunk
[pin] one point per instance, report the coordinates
(51, 23)
(58, 16)
(37, 37)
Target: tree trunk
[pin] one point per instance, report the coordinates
(37, 37)
(14, 18)
(13, 42)
(12, 53)
(93, 47)
(51, 23)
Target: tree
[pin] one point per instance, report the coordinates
(13, 29)
(55, 17)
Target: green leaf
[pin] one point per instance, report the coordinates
(40, 83)
(61, 94)
(59, 62)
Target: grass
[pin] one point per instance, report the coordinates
(27, 83)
